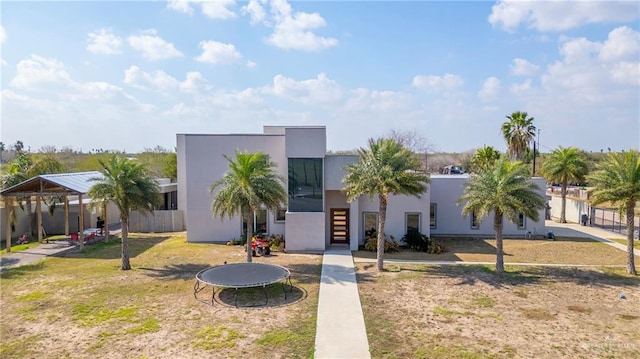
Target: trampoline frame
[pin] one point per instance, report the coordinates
(281, 274)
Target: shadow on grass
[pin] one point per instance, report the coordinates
(176, 271)
(256, 298)
(12, 273)
(112, 249)
(469, 275)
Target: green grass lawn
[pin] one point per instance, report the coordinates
(81, 305)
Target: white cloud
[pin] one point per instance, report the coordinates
(104, 42)
(194, 83)
(237, 100)
(180, 110)
(521, 88)
(218, 9)
(255, 10)
(180, 6)
(158, 80)
(522, 67)
(214, 52)
(293, 30)
(251, 64)
(437, 83)
(623, 43)
(152, 46)
(37, 72)
(3, 34)
(490, 89)
(560, 15)
(214, 9)
(319, 91)
(597, 72)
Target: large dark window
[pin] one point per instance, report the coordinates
(305, 184)
(259, 223)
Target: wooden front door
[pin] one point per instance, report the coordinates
(340, 225)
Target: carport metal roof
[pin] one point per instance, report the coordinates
(54, 185)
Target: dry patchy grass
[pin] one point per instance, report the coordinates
(81, 305)
(471, 312)
(563, 250)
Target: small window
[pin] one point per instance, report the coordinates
(433, 209)
(522, 221)
(475, 224)
(370, 222)
(412, 223)
(280, 215)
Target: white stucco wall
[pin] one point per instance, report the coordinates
(445, 192)
(306, 142)
(200, 163)
(397, 208)
(335, 172)
(575, 208)
(305, 231)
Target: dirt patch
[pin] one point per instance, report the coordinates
(470, 312)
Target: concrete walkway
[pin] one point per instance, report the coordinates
(595, 233)
(33, 255)
(340, 328)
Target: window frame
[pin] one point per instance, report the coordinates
(522, 221)
(433, 214)
(364, 221)
(276, 219)
(406, 221)
(474, 223)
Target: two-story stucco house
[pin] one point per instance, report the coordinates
(317, 214)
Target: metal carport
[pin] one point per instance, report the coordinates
(60, 184)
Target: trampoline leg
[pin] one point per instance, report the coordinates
(213, 294)
(196, 289)
(288, 280)
(235, 300)
(266, 297)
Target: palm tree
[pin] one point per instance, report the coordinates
(563, 166)
(518, 131)
(484, 157)
(506, 190)
(250, 183)
(127, 184)
(385, 167)
(617, 180)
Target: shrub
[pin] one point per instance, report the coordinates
(435, 247)
(420, 242)
(276, 242)
(390, 244)
(416, 241)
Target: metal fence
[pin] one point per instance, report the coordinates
(610, 219)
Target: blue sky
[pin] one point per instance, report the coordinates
(130, 75)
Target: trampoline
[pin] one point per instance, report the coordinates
(242, 275)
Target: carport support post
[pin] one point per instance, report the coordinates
(105, 218)
(81, 224)
(39, 217)
(66, 216)
(7, 222)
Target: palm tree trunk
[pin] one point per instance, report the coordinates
(563, 208)
(381, 236)
(249, 213)
(631, 267)
(497, 226)
(126, 265)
